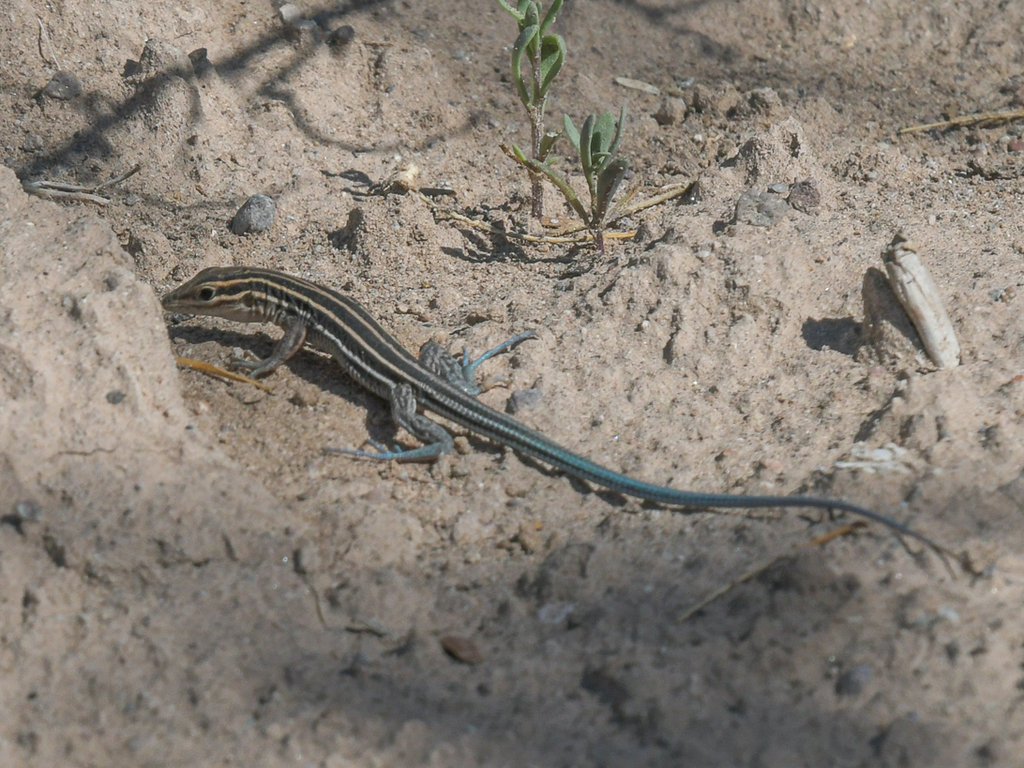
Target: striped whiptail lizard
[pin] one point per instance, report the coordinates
(436, 382)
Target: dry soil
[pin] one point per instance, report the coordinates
(187, 580)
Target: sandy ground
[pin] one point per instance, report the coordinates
(187, 580)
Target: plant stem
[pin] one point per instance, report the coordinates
(536, 182)
(536, 112)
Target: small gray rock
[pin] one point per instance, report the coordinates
(852, 681)
(760, 209)
(63, 86)
(255, 215)
(290, 13)
(524, 400)
(342, 36)
(671, 111)
(27, 511)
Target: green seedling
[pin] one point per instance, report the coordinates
(597, 143)
(544, 54)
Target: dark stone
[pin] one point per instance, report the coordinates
(255, 215)
(63, 86)
(852, 681)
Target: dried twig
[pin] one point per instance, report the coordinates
(574, 237)
(983, 118)
(57, 190)
(118, 179)
(767, 563)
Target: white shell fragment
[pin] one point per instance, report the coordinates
(403, 180)
(916, 291)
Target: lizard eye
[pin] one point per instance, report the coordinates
(207, 293)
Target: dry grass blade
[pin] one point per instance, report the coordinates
(44, 37)
(573, 237)
(984, 118)
(670, 193)
(57, 190)
(215, 370)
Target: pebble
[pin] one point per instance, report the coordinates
(947, 613)
(291, 15)
(528, 538)
(305, 396)
(852, 681)
(760, 209)
(255, 215)
(305, 558)
(342, 36)
(27, 511)
(525, 399)
(462, 649)
(555, 613)
(63, 86)
(805, 197)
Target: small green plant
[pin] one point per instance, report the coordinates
(597, 143)
(545, 55)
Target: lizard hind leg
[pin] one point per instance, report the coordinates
(436, 359)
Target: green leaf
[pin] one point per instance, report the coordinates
(618, 132)
(520, 155)
(571, 132)
(510, 10)
(531, 17)
(549, 17)
(547, 143)
(607, 183)
(605, 140)
(604, 127)
(517, 63)
(586, 146)
(552, 57)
